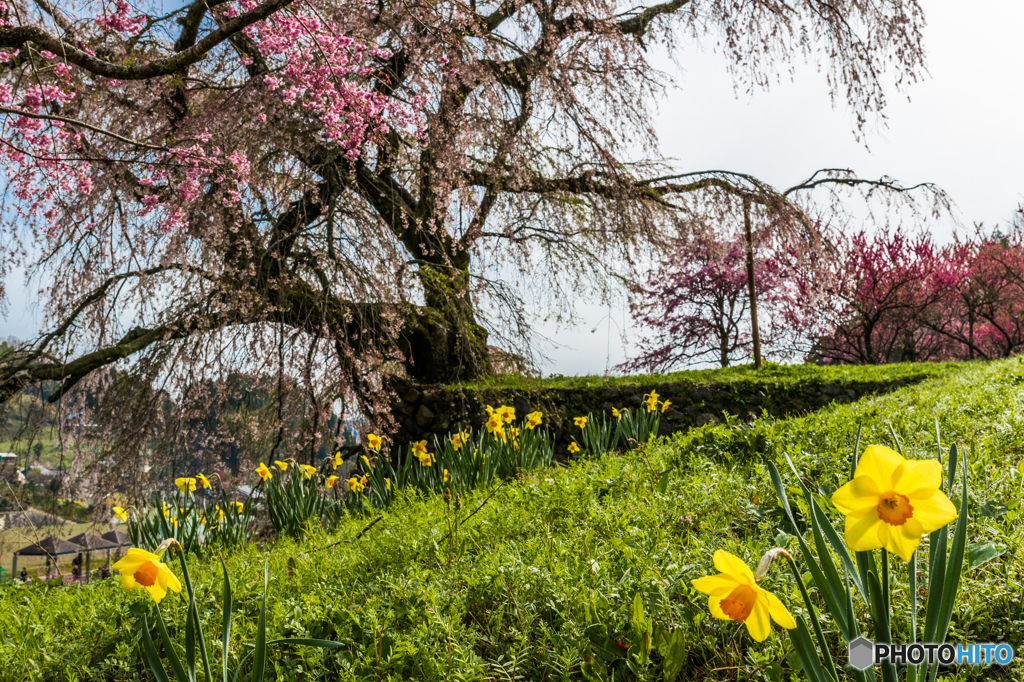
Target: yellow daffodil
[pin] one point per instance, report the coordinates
(733, 594)
(426, 458)
(264, 472)
(239, 507)
(460, 439)
(493, 425)
(331, 480)
(357, 485)
(891, 502)
(173, 520)
(366, 462)
(120, 514)
(617, 413)
(373, 441)
(283, 466)
(652, 401)
(203, 481)
(167, 510)
(534, 420)
(140, 568)
(446, 476)
(185, 485)
(202, 519)
(580, 422)
(506, 413)
(420, 447)
(337, 459)
(307, 470)
(664, 405)
(490, 410)
(573, 448)
(219, 512)
(387, 483)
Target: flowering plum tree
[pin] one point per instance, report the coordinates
(342, 188)
(697, 305)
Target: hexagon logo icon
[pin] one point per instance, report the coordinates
(861, 653)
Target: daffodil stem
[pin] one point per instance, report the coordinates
(826, 653)
(885, 582)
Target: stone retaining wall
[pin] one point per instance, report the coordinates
(426, 411)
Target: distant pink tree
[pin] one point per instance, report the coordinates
(882, 285)
(696, 305)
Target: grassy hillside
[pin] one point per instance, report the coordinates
(543, 577)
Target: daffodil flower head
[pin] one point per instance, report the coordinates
(420, 447)
(387, 483)
(534, 420)
(493, 425)
(460, 439)
(573, 448)
(734, 594)
(507, 414)
(446, 476)
(120, 514)
(373, 441)
(185, 485)
(331, 480)
(337, 459)
(892, 502)
(264, 472)
(664, 405)
(617, 413)
(203, 481)
(283, 466)
(239, 507)
(366, 462)
(580, 422)
(307, 470)
(652, 401)
(140, 568)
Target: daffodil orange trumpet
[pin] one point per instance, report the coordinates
(892, 502)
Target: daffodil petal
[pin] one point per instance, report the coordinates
(172, 580)
(778, 611)
(758, 624)
(919, 478)
(716, 585)
(902, 546)
(879, 463)
(731, 564)
(714, 606)
(862, 532)
(857, 497)
(128, 581)
(156, 590)
(935, 512)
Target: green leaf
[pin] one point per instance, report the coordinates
(981, 553)
(152, 657)
(172, 655)
(260, 652)
(674, 653)
(881, 617)
(226, 615)
(663, 482)
(806, 653)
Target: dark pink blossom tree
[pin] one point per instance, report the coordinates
(697, 307)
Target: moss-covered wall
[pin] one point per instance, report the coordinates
(425, 411)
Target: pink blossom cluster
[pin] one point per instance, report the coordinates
(121, 20)
(313, 66)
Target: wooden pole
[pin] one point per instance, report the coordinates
(755, 332)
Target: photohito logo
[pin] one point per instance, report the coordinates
(863, 653)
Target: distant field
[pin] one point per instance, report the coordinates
(12, 539)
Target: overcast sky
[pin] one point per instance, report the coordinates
(961, 129)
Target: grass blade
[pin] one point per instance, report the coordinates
(225, 628)
(260, 652)
(152, 657)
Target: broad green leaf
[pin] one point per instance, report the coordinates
(981, 553)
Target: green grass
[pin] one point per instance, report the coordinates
(546, 572)
(770, 372)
